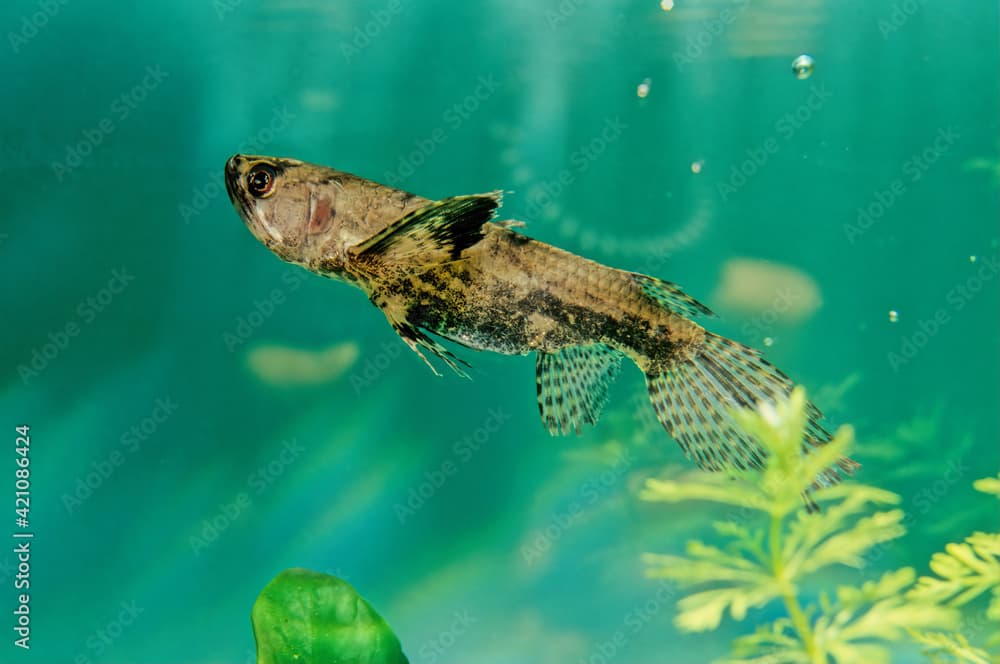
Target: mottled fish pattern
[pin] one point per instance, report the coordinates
(448, 268)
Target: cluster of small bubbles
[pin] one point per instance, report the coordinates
(643, 90)
(696, 166)
(666, 5)
(803, 67)
(893, 315)
(768, 341)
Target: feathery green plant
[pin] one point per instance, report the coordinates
(773, 547)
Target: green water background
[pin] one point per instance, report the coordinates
(529, 551)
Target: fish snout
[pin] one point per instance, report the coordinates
(235, 166)
(233, 173)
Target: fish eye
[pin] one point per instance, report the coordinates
(260, 180)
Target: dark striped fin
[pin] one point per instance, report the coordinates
(694, 399)
(416, 339)
(573, 385)
(435, 233)
(671, 296)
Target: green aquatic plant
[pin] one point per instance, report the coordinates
(963, 572)
(304, 617)
(774, 547)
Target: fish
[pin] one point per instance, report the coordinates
(449, 268)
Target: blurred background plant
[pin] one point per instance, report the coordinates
(773, 548)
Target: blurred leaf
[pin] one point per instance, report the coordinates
(773, 643)
(988, 485)
(741, 582)
(713, 488)
(964, 571)
(940, 647)
(877, 611)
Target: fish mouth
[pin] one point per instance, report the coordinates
(233, 174)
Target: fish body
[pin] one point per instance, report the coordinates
(450, 269)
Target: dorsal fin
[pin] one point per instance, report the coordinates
(671, 296)
(435, 233)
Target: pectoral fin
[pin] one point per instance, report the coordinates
(416, 339)
(435, 233)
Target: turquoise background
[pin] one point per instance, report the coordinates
(118, 120)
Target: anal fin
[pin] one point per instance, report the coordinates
(573, 384)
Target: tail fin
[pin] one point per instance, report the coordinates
(693, 400)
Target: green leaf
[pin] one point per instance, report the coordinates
(963, 572)
(847, 546)
(941, 647)
(304, 617)
(703, 611)
(772, 643)
(879, 611)
(701, 486)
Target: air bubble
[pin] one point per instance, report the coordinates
(803, 67)
(643, 90)
(893, 315)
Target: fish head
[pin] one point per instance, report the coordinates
(307, 214)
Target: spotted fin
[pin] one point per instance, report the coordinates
(573, 385)
(694, 399)
(435, 233)
(671, 296)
